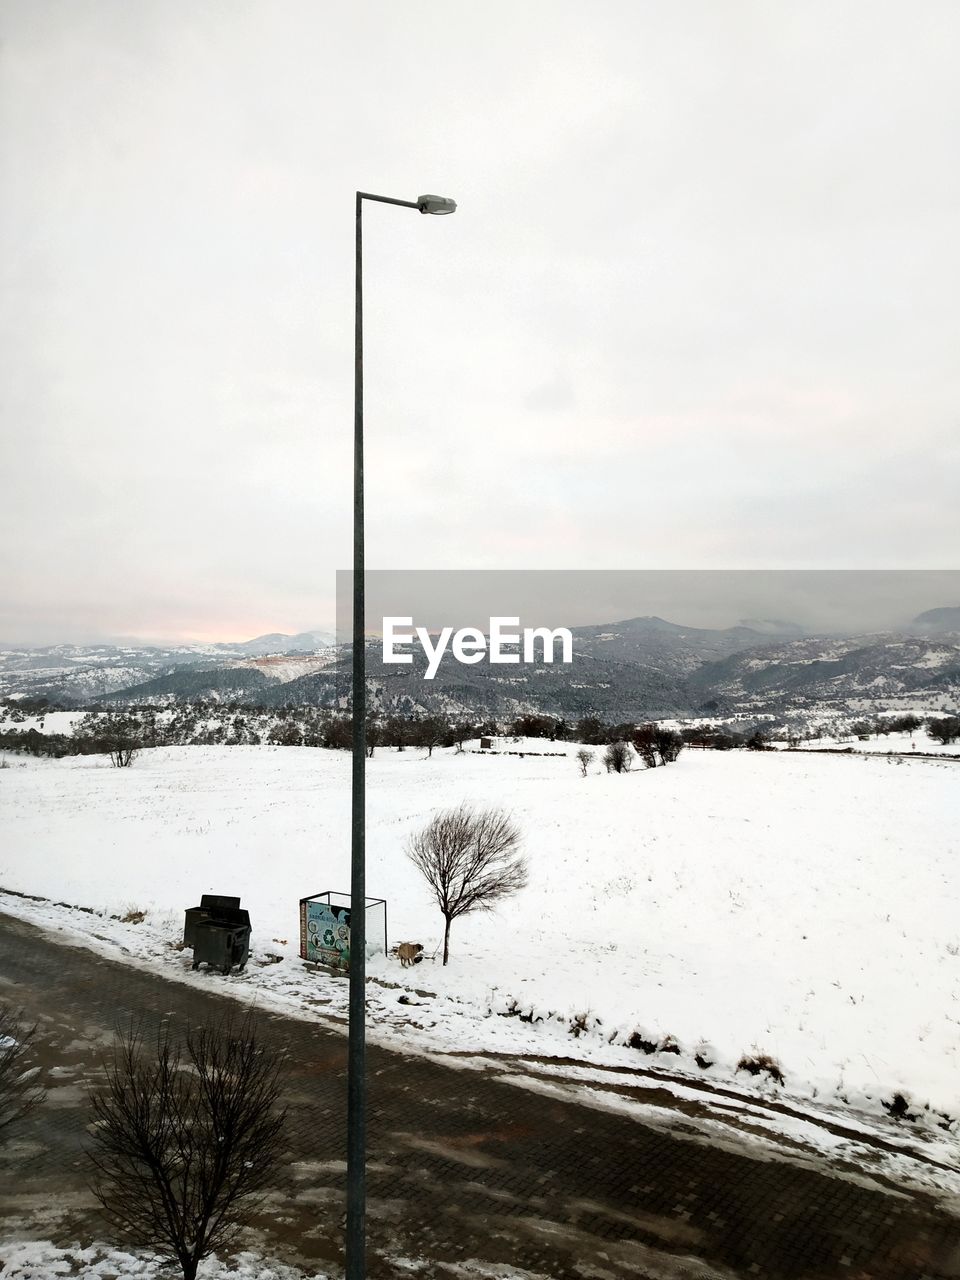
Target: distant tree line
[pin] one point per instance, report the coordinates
(943, 729)
(725, 737)
(32, 742)
(121, 733)
(884, 725)
(117, 734)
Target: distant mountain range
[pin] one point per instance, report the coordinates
(82, 673)
(856, 673)
(277, 643)
(938, 621)
(639, 668)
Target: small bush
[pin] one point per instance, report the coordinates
(898, 1108)
(761, 1064)
(639, 1041)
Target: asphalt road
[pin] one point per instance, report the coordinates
(466, 1174)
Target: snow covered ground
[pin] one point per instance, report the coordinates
(40, 1260)
(49, 722)
(732, 905)
(884, 743)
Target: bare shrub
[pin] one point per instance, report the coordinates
(655, 744)
(669, 744)
(19, 1090)
(187, 1137)
(638, 1040)
(583, 759)
(898, 1107)
(579, 1024)
(470, 859)
(617, 757)
(761, 1063)
(704, 1056)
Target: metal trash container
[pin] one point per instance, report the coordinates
(218, 931)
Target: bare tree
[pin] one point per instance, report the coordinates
(186, 1139)
(944, 731)
(114, 733)
(430, 732)
(655, 744)
(617, 757)
(669, 744)
(644, 743)
(19, 1089)
(583, 758)
(372, 735)
(471, 861)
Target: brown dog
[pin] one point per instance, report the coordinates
(409, 953)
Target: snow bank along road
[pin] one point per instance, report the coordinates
(468, 1175)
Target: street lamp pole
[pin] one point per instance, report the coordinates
(356, 1046)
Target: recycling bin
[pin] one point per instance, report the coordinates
(218, 931)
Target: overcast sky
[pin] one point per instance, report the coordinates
(822, 600)
(699, 306)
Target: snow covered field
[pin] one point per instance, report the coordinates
(735, 904)
(882, 744)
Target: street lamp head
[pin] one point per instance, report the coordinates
(435, 204)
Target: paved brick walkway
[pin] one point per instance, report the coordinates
(461, 1166)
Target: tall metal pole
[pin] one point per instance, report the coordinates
(356, 1268)
(356, 1048)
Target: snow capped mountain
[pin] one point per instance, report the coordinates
(816, 670)
(79, 673)
(639, 668)
(278, 643)
(667, 645)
